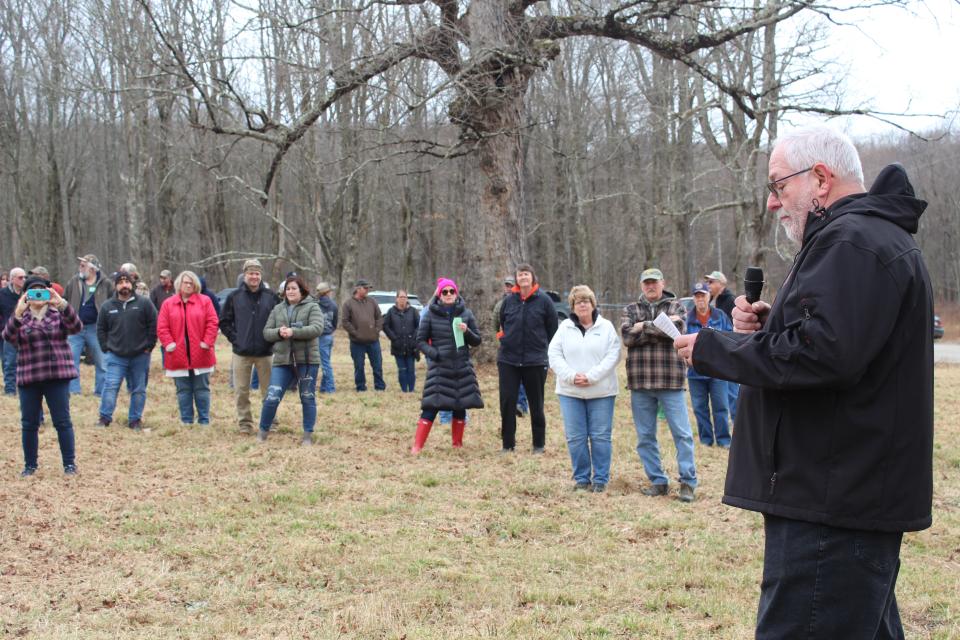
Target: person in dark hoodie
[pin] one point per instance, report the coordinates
(127, 333)
(445, 336)
(205, 290)
(834, 435)
(243, 317)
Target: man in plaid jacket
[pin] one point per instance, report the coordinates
(655, 375)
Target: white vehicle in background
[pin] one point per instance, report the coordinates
(386, 299)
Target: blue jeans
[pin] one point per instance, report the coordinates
(87, 337)
(643, 404)
(357, 352)
(431, 415)
(281, 379)
(9, 353)
(326, 348)
(821, 582)
(193, 389)
(58, 400)
(588, 425)
(522, 402)
(707, 393)
(134, 369)
(733, 394)
(406, 372)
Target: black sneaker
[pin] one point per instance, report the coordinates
(136, 425)
(103, 422)
(655, 490)
(538, 451)
(70, 470)
(27, 472)
(599, 488)
(582, 486)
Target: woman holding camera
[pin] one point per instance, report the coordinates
(445, 336)
(295, 326)
(187, 328)
(38, 328)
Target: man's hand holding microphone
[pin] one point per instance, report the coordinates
(749, 313)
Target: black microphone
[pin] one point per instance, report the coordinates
(753, 283)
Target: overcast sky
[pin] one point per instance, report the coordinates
(905, 62)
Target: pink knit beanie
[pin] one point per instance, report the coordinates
(446, 282)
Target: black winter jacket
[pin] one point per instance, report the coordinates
(526, 328)
(725, 301)
(401, 328)
(245, 313)
(451, 380)
(835, 421)
(127, 329)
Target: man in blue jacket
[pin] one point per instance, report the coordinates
(708, 393)
(834, 436)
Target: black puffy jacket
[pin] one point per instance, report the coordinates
(401, 329)
(835, 421)
(451, 380)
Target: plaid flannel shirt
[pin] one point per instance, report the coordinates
(42, 349)
(652, 362)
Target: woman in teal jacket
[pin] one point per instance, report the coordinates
(294, 326)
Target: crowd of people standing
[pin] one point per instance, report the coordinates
(283, 341)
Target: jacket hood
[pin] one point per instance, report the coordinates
(891, 197)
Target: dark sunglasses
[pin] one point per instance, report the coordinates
(448, 292)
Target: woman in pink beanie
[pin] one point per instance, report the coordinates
(451, 383)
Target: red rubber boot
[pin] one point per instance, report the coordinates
(456, 431)
(423, 430)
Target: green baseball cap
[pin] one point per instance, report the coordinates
(651, 274)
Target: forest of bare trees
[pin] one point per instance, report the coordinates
(397, 140)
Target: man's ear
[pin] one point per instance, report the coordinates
(825, 179)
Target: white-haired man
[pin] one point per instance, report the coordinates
(834, 435)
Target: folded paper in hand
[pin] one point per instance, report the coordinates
(666, 325)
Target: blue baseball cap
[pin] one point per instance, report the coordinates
(701, 287)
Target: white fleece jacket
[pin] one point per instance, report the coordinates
(595, 353)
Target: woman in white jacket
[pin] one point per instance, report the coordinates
(583, 355)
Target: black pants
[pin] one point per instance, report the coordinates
(533, 379)
(821, 582)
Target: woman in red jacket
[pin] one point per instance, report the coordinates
(187, 328)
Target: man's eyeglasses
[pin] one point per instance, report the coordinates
(448, 292)
(776, 187)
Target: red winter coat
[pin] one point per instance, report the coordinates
(197, 316)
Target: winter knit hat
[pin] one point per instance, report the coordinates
(442, 283)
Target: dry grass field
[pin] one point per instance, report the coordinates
(200, 533)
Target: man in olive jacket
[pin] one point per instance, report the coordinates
(834, 436)
(362, 320)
